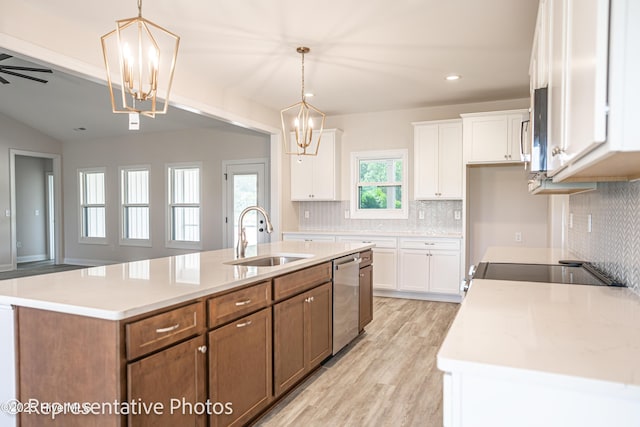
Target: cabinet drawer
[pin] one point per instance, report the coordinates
(380, 242)
(366, 257)
(161, 330)
(226, 308)
(444, 244)
(293, 283)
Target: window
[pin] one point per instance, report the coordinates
(92, 206)
(134, 183)
(184, 206)
(379, 184)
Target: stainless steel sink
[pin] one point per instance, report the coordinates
(268, 261)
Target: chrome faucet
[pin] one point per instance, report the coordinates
(242, 236)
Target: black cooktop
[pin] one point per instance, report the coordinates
(583, 274)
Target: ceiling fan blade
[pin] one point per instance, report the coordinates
(4, 56)
(3, 81)
(39, 70)
(24, 76)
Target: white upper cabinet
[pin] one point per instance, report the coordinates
(494, 137)
(317, 178)
(438, 160)
(592, 68)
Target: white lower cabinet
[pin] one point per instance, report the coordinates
(429, 265)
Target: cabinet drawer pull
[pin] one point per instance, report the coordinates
(168, 329)
(430, 244)
(242, 325)
(202, 349)
(241, 303)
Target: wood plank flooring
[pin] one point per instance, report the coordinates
(387, 377)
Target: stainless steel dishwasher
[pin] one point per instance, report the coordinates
(346, 300)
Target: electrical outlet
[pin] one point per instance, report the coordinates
(456, 214)
(306, 214)
(589, 224)
(7, 213)
(420, 214)
(18, 244)
(37, 212)
(518, 236)
(346, 214)
(571, 220)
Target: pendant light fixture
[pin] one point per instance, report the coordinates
(140, 57)
(303, 122)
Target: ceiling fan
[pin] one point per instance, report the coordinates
(14, 71)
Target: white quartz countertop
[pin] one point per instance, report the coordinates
(590, 332)
(120, 291)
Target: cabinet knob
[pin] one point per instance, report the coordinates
(556, 151)
(361, 274)
(202, 349)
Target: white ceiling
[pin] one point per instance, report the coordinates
(366, 55)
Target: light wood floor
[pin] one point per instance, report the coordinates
(387, 377)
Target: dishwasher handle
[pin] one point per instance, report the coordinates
(356, 260)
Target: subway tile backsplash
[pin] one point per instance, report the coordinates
(439, 218)
(614, 241)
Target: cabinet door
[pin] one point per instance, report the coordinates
(324, 169)
(587, 37)
(366, 296)
(414, 270)
(240, 370)
(450, 160)
(385, 273)
(426, 162)
(444, 274)
(178, 372)
(488, 138)
(319, 325)
(301, 177)
(288, 343)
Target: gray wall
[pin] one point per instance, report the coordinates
(499, 206)
(31, 208)
(209, 146)
(614, 243)
(16, 135)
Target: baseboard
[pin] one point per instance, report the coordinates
(6, 267)
(33, 258)
(87, 262)
(417, 295)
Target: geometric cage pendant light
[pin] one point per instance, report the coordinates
(303, 122)
(140, 58)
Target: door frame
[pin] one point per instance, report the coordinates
(57, 202)
(267, 185)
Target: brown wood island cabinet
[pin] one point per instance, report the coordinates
(366, 289)
(219, 360)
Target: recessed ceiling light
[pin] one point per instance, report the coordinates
(80, 129)
(452, 77)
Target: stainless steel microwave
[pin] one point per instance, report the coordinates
(539, 145)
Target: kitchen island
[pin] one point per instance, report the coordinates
(195, 339)
(532, 354)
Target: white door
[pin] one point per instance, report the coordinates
(245, 185)
(51, 235)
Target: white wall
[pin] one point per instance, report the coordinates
(31, 208)
(209, 146)
(499, 205)
(18, 136)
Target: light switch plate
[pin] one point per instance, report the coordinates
(420, 214)
(456, 214)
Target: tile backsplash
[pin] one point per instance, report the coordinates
(614, 241)
(439, 218)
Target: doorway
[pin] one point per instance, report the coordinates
(245, 184)
(35, 207)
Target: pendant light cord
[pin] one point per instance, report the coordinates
(139, 8)
(302, 94)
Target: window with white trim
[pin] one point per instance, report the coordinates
(93, 224)
(184, 206)
(135, 209)
(379, 184)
